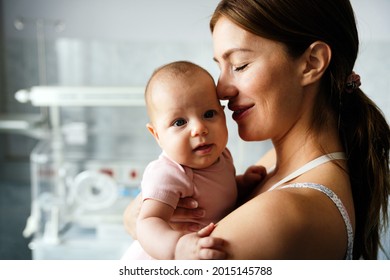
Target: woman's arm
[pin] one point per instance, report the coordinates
(251, 231)
(284, 224)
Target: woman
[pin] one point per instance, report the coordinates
(287, 73)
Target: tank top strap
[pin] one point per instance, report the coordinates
(339, 204)
(309, 166)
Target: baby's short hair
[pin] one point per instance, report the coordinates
(174, 70)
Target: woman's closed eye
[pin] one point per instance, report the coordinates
(240, 68)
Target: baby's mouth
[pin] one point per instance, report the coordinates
(203, 148)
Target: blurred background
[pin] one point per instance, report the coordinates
(73, 142)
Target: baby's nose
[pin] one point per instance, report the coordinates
(199, 128)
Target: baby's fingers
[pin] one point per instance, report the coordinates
(211, 242)
(211, 248)
(257, 169)
(207, 230)
(211, 254)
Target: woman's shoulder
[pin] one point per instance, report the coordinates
(282, 224)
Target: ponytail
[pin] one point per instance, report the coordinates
(366, 137)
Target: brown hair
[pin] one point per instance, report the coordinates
(362, 127)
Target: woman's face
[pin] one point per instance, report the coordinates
(260, 80)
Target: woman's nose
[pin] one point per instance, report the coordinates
(198, 129)
(225, 90)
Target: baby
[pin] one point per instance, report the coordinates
(188, 122)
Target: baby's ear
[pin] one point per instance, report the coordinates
(153, 131)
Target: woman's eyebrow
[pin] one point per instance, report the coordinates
(229, 52)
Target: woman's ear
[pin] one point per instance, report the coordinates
(317, 58)
(153, 131)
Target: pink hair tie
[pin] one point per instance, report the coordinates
(353, 82)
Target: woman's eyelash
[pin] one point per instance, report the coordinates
(240, 68)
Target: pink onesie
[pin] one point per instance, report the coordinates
(167, 181)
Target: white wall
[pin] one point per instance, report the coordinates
(373, 63)
(173, 20)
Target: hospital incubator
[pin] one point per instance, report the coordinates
(86, 169)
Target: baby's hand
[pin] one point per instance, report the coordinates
(248, 181)
(200, 246)
(253, 175)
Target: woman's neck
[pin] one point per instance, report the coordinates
(293, 151)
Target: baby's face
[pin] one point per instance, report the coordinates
(188, 121)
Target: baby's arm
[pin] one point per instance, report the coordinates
(153, 231)
(187, 208)
(161, 241)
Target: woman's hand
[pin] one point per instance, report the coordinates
(200, 246)
(186, 209)
(130, 216)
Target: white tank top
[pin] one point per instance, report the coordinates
(336, 200)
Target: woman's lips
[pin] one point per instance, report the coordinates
(239, 112)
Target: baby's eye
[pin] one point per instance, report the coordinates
(209, 114)
(179, 122)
